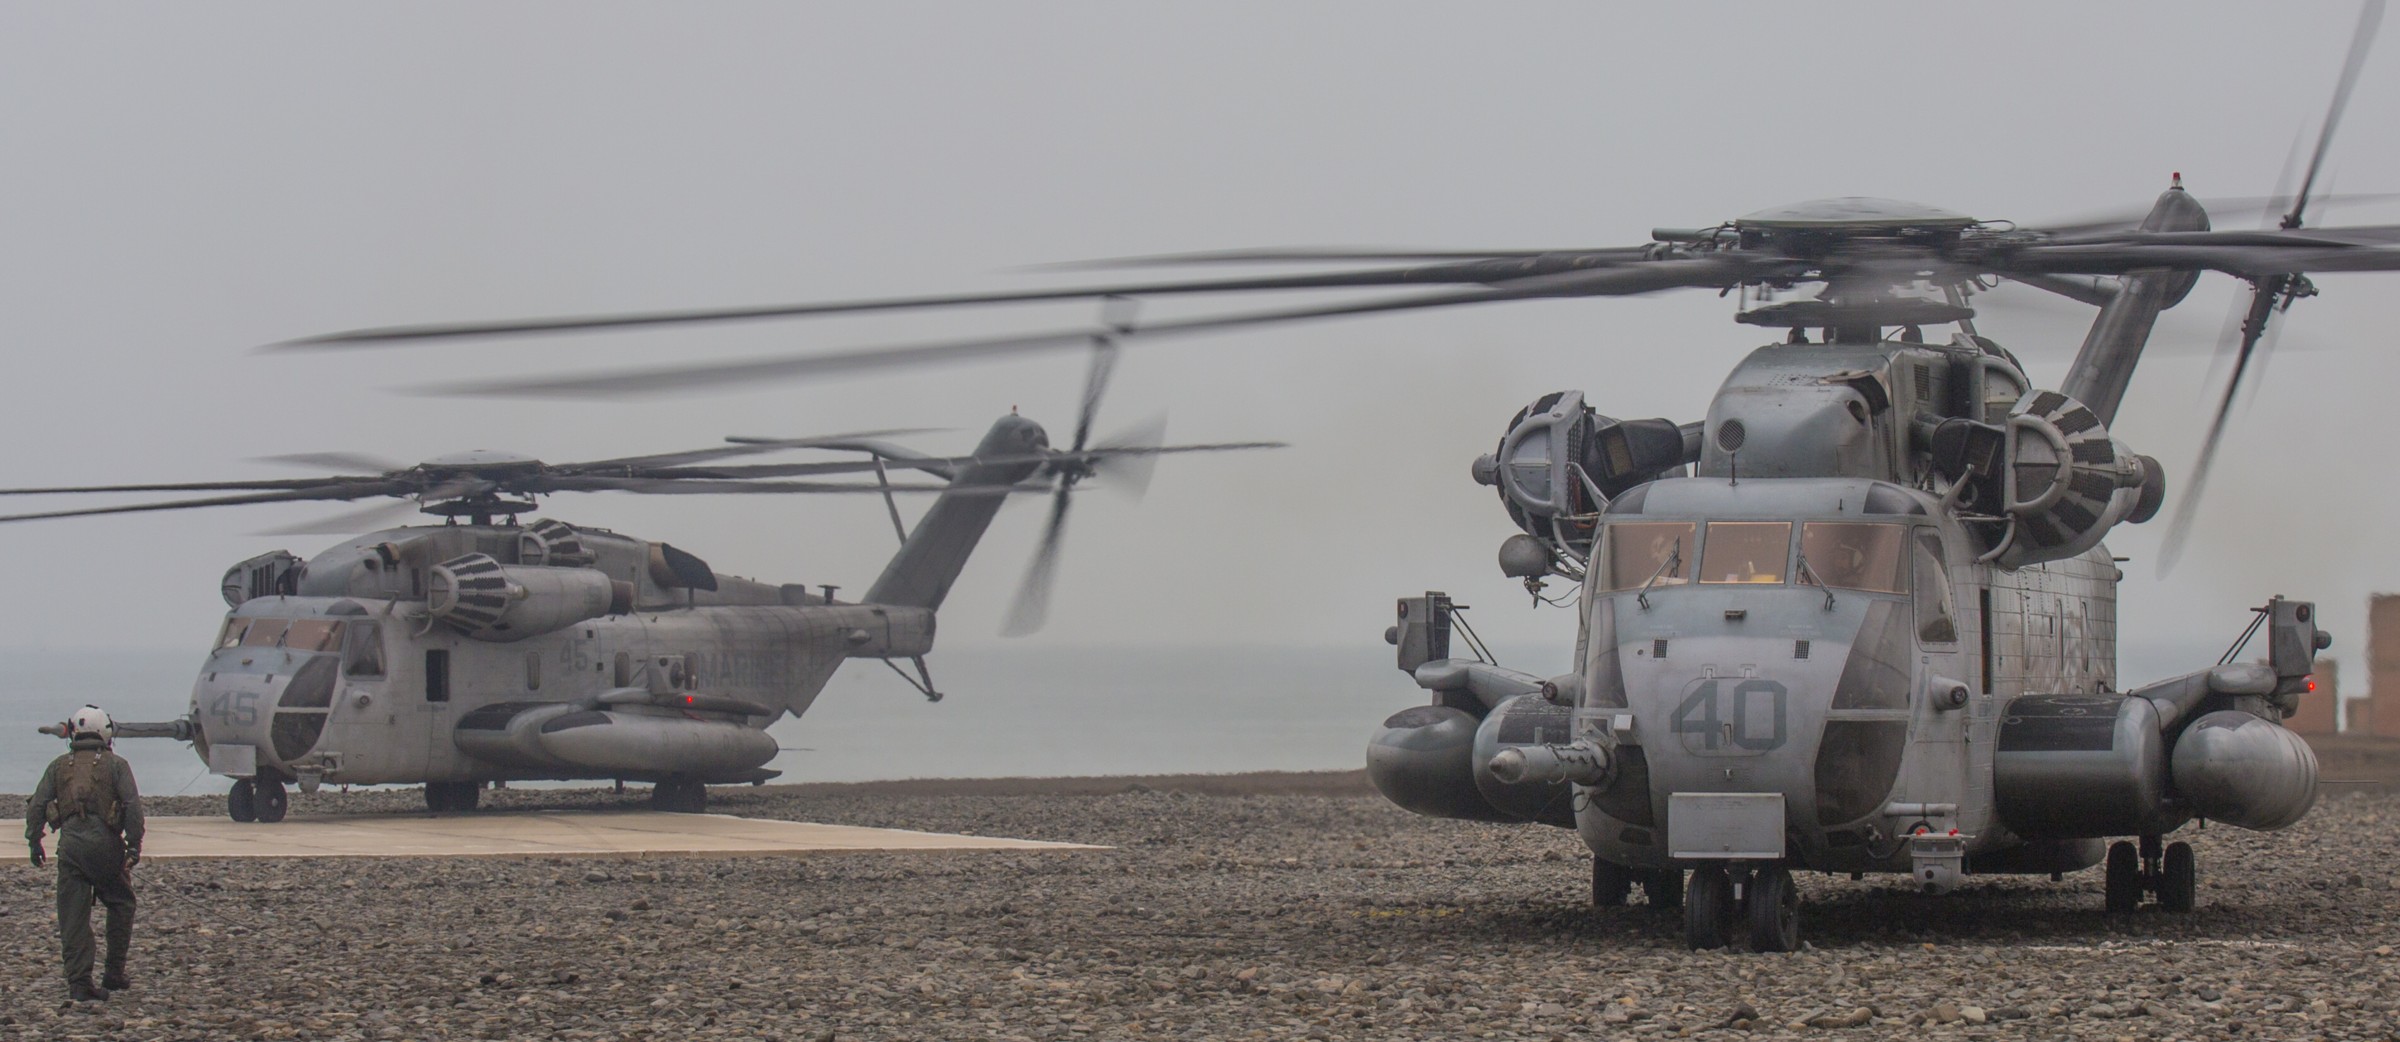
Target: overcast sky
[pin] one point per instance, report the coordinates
(182, 183)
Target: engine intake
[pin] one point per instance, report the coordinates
(487, 600)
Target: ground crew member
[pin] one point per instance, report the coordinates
(88, 798)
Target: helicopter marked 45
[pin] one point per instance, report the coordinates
(1859, 618)
(487, 650)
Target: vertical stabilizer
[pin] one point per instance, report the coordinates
(2105, 365)
(921, 573)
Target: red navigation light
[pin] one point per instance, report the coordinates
(2312, 684)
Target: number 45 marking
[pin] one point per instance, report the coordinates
(1702, 715)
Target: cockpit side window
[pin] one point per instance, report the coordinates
(1746, 552)
(1639, 550)
(1935, 620)
(1853, 555)
(362, 650)
(232, 637)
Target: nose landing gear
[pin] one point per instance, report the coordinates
(1763, 898)
(257, 799)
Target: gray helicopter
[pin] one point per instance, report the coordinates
(488, 649)
(1860, 617)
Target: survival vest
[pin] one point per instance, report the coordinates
(87, 784)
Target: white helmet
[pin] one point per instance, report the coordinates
(89, 720)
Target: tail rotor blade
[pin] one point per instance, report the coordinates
(2370, 17)
(1128, 459)
(1095, 384)
(1032, 606)
(2253, 328)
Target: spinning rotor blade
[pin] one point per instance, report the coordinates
(1130, 458)
(1031, 608)
(1715, 272)
(187, 486)
(1321, 255)
(347, 490)
(351, 522)
(645, 464)
(1486, 270)
(2271, 294)
(336, 461)
(713, 487)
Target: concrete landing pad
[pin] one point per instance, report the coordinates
(543, 834)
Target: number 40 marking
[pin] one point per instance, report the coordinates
(1701, 715)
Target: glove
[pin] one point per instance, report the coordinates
(132, 858)
(39, 857)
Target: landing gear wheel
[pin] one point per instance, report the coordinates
(437, 796)
(2124, 879)
(241, 804)
(270, 800)
(466, 795)
(1708, 908)
(1774, 910)
(1664, 888)
(2179, 879)
(1611, 884)
(679, 796)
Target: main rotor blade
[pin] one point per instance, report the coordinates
(1715, 271)
(351, 522)
(678, 459)
(713, 486)
(1031, 608)
(360, 490)
(1484, 271)
(2370, 16)
(336, 461)
(1319, 255)
(2218, 207)
(187, 486)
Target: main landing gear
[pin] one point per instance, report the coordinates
(1761, 900)
(2172, 874)
(257, 799)
(679, 796)
(444, 797)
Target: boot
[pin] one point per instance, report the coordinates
(83, 991)
(115, 979)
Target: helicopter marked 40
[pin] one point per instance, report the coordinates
(1859, 618)
(487, 650)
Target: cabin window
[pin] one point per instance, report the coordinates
(362, 650)
(1935, 622)
(1638, 550)
(1746, 552)
(1853, 555)
(437, 675)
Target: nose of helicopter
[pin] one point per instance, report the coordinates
(1769, 690)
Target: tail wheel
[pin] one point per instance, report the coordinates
(242, 803)
(2124, 879)
(1611, 884)
(1708, 908)
(1664, 888)
(1774, 911)
(270, 800)
(2179, 879)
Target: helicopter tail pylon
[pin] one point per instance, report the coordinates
(929, 561)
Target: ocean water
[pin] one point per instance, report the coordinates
(1008, 712)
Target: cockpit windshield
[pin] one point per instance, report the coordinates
(1854, 555)
(1638, 551)
(1746, 552)
(289, 634)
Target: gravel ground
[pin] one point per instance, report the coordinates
(1297, 908)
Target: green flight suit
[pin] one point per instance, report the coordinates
(99, 825)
